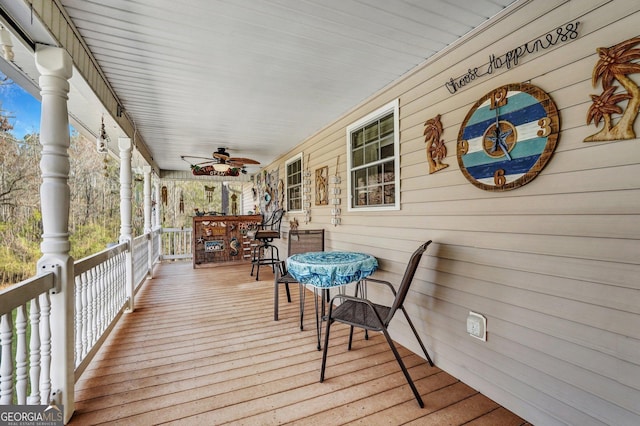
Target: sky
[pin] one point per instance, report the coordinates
(22, 108)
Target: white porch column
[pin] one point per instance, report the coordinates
(157, 219)
(148, 226)
(126, 229)
(55, 69)
(147, 199)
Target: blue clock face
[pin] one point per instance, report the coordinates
(507, 137)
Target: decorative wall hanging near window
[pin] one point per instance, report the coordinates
(181, 205)
(267, 189)
(322, 188)
(234, 204)
(335, 195)
(164, 195)
(209, 190)
(615, 65)
(306, 190)
(436, 150)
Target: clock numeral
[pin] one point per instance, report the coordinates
(498, 177)
(498, 98)
(463, 147)
(545, 127)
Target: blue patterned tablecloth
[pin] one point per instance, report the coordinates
(326, 269)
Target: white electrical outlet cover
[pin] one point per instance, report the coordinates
(477, 326)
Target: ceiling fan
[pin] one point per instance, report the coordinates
(220, 163)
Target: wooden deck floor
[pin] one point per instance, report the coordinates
(202, 349)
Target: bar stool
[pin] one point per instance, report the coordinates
(269, 231)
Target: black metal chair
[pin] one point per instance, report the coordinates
(269, 230)
(300, 241)
(360, 312)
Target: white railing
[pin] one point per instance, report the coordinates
(156, 240)
(25, 312)
(176, 243)
(141, 267)
(100, 299)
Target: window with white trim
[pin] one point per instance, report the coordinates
(373, 160)
(293, 169)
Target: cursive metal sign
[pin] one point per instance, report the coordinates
(512, 57)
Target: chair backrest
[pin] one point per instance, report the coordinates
(273, 223)
(407, 279)
(304, 240)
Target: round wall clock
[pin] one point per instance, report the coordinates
(507, 137)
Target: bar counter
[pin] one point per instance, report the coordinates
(222, 239)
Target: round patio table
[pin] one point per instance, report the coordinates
(326, 269)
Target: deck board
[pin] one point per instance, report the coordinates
(202, 348)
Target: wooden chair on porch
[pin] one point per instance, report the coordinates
(361, 312)
(300, 241)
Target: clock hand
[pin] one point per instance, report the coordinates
(501, 137)
(504, 148)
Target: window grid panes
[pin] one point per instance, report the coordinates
(373, 163)
(294, 185)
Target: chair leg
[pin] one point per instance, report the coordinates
(363, 290)
(275, 300)
(253, 259)
(302, 290)
(286, 286)
(403, 367)
(326, 347)
(350, 338)
(415, 333)
(274, 258)
(318, 314)
(256, 262)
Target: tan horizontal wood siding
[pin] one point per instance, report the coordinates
(553, 265)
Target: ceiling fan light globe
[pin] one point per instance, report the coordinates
(221, 167)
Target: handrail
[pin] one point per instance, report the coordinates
(24, 291)
(31, 335)
(83, 265)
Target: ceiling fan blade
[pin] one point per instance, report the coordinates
(243, 160)
(191, 159)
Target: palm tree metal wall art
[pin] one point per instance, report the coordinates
(436, 150)
(616, 63)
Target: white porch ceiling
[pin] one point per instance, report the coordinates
(258, 77)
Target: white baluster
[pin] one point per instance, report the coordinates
(92, 308)
(45, 348)
(6, 362)
(112, 285)
(34, 352)
(78, 321)
(84, 300)
(21, 355)
(102, 282)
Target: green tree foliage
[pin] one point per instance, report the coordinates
(94, 212)
(94, 216)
